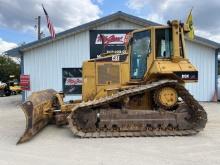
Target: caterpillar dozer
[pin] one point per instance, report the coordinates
(138, 93)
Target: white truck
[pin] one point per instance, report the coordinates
(4, 89)
(2, 85)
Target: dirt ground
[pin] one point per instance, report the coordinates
(58, 146)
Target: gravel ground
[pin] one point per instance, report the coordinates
(58, 146)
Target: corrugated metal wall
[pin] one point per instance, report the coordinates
(119, 24)
(203, 58)
(44, 64)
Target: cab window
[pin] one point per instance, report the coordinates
(140, 48)
(164, 43)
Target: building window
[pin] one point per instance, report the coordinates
(72, 80)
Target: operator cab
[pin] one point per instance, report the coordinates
(156, 42)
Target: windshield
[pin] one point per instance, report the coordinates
(140, 48)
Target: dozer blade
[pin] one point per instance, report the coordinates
(38, 112)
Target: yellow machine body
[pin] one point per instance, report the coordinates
(109, 74)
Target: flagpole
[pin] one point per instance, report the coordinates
(190, 13)
(38, 28)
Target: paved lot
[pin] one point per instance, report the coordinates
(57, 145)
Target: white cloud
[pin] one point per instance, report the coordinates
(4, 45)
(136, 4)
(155, 18)
(208, 35)
(64, 14)
(100, 1)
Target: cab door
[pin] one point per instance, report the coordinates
(140, 49)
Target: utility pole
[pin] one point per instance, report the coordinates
(38, 28)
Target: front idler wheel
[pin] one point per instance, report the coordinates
(166, 98)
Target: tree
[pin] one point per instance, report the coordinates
(8, 67)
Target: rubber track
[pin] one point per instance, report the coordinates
(199, 118)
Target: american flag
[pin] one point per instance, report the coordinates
(49, 24)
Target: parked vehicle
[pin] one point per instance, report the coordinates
(15, 88)
(9, 88)
(5, 89)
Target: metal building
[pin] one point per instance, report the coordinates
(49, 61)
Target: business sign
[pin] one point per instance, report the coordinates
(107, 41)
(72, 80)
(113, 39)
(25, 82)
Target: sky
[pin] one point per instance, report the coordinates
(17, 17)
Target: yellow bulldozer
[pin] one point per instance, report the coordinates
(138, 93)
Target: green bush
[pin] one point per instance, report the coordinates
(8, 67)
